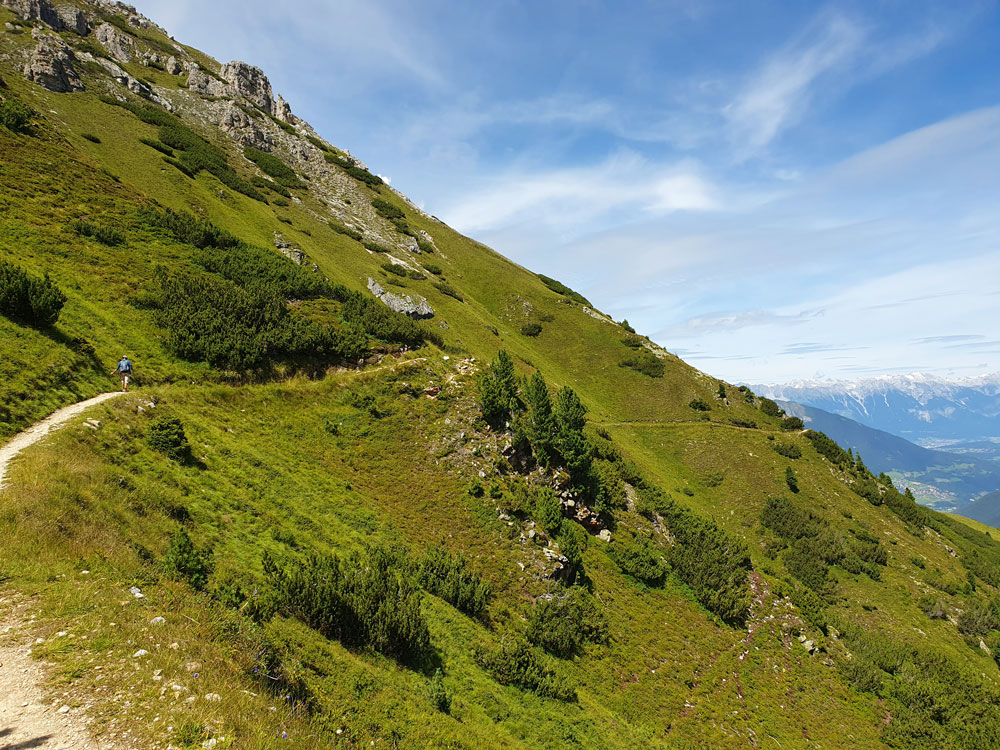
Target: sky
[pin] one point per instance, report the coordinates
(771, 190)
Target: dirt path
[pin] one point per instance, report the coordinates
(37, 431)
(28, 719)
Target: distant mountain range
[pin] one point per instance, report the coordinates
(958, 415)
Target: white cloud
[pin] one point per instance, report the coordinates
(777, 94)
(578, 199)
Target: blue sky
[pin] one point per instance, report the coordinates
(771, 190)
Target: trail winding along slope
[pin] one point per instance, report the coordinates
(37, 431)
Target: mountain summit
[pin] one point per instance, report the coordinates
(375, 485)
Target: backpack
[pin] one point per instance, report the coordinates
(126, 367)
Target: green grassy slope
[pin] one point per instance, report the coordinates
(331, 458)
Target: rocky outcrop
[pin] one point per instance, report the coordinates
(132, 84)
(119, 45)
(243, 129)
(51, 65)
(289, 249)
(415, 307)
(249, 81)
(59, 19)
(282, 111)
(202, 83)
(173, 66)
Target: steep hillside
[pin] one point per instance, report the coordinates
(490, 517)
(938, 478)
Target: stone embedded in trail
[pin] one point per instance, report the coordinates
(51, 65)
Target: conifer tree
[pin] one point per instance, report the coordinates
(570, 418)
(540, 424)
(497, 388)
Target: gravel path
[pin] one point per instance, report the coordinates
(37, 431)
(28, 719)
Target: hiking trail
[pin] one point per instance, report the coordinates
(39, 430)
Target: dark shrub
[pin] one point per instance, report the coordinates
(158, 146)
(90, 137)
(449, 576)
(271, 165)
(548, 510)
(792, 423)
(788, 450)
(640, 559)
(27, 298)
(827, 447)
(432, 269)
(106, 235)
(699, 405)
(387, 210)
(440, 697)
(512, 661)
(186, 562)
(563, 624)
(15, 115)
(645, 362)
(770, 408)
(448, 290)
(791, 480)
(560, 288)
(375, 247)
(395, 268)
(367, 600)
(347, 231)
(531, 329)
(166, 435)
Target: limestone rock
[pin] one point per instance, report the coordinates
(289, 249)
(132, 84)
(119, 45)
(604, 535)
(202, 83)
(415, 307)
(250, 82)
(282, 111)
(51, 66)
(74, 20)
(243, 129)
(173, 66)
(61, 19)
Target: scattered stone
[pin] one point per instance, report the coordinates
(140, 653)
(213, 697)
(604, 535)
(136, 592)
(157, 620)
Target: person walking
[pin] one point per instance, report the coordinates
(124, 369)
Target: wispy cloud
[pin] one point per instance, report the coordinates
(778, 93)
(575, 199)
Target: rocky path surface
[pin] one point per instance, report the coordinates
(28, 718)
(36, 432)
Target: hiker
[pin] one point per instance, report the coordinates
(124, 369)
